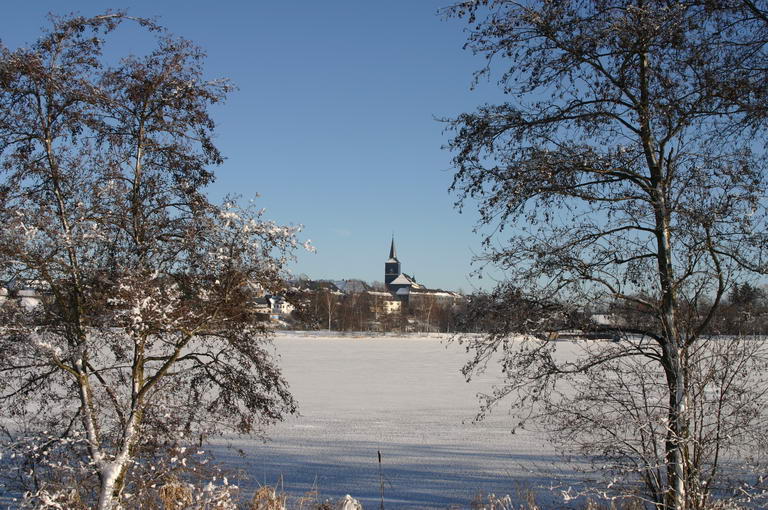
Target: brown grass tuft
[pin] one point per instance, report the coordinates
(267, 498)
(174, 495)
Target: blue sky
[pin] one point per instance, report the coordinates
(333, 122)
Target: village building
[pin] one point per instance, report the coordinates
(280, 307)
(383, 303)
(262, 306)
(28, 294)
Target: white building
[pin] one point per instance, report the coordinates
(383, 303)
(29, 299)
(280, 307)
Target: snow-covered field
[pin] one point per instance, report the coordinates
(405, 397)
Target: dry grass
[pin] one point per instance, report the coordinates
(267, 498)
(174, 495)
(526, 500)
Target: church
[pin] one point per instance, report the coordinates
(410, 293)
(403, 295)
(398, 283)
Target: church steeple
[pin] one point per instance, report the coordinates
(392, 251)
(392, 265)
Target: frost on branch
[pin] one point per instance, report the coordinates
(144, 340)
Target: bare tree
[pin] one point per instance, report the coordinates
(620, 170)
(615, 415)
(330, 301)
(146, 337)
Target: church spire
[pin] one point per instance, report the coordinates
(392, 251)
(392, 265)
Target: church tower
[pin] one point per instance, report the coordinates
(392, 265)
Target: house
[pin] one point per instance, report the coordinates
(262, 306)
(351, 286)
(28, 294)
(280, 307)
(29, 299)
(384, 303)
(436, 296)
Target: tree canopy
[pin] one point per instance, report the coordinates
(144, 337)
(628, 165)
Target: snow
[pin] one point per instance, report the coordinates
(401, 279)
(404, 397)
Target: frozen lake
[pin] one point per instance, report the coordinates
(404, 397)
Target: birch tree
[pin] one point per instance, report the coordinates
(620, 169)
(144, 338)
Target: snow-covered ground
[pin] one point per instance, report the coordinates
(405, 397)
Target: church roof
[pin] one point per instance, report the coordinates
(402, 279)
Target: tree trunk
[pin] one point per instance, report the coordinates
(106, 493)
(677, 429)
(677, 426)
(113, 473)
